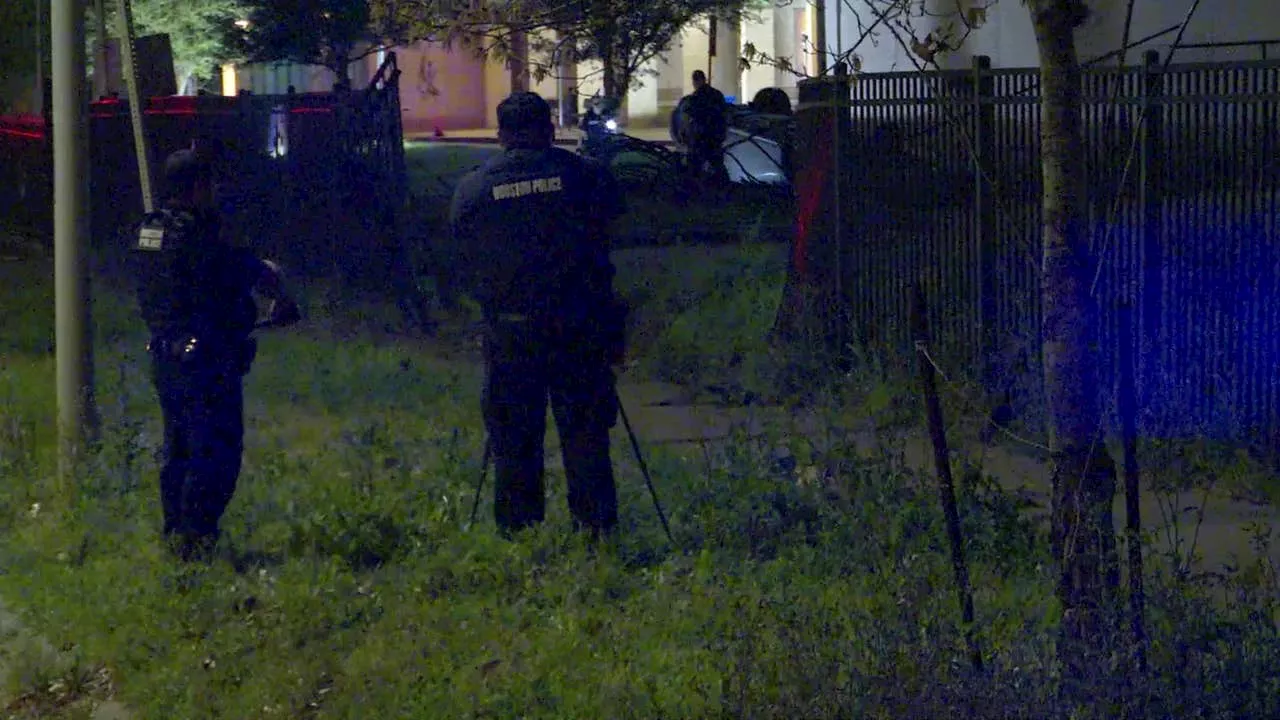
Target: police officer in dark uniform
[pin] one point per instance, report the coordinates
(704, 127)
(531, 235)
(196, 295)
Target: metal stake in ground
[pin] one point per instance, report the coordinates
(942, 458)
(644, 468)
(635, 446)
(1128, 402)
(484, 470)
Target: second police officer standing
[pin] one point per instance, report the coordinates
(195, 293)
(531, 233)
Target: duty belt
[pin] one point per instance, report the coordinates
(173, 347)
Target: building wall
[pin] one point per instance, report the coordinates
(650, 103)
(642, 102)
(1221, 21)
(275, 78)
(438, 88)
(1008, 39)
(760, 35)
(694, 46)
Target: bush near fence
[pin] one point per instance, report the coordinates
(945, 188)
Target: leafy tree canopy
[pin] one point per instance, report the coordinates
(329, 33)
(622, 35)
(201, 32)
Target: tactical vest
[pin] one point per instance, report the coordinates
(188, 282)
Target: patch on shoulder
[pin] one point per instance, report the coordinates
(151, 238)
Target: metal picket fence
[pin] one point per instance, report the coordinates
(1183, 172)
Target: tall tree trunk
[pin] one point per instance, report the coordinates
(342, 71)
(606, 41)
(609, 73)
(518, 62)
(1084, 476)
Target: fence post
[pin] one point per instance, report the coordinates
(814, 308)
(1150, 193)
(984, 221)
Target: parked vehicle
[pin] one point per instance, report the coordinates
(757, 144)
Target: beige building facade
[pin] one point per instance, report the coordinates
(453, 89)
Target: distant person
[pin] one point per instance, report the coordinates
(195, 293)
(701, 125)
(531, 233)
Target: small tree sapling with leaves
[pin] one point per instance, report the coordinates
(1083, 473)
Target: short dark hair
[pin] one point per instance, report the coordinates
(699, 76)
(523, 112)
(184, 170)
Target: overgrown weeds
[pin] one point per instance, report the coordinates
(811, 578)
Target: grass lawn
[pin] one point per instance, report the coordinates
(351, 587)
(352, 590)
(654, 215)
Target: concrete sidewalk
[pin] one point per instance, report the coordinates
(663, 415)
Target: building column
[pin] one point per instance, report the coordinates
(567, 85)
(726, 74)
(672, 79)
(762, 35)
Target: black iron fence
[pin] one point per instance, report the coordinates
(315, 178)
(1183, 173)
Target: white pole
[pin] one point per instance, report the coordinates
(76, 416)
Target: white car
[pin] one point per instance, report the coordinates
(754, 149)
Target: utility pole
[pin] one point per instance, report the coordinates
(77, 418)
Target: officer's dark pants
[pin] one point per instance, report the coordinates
(203, 411)
(707, 156)
(525, 368)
